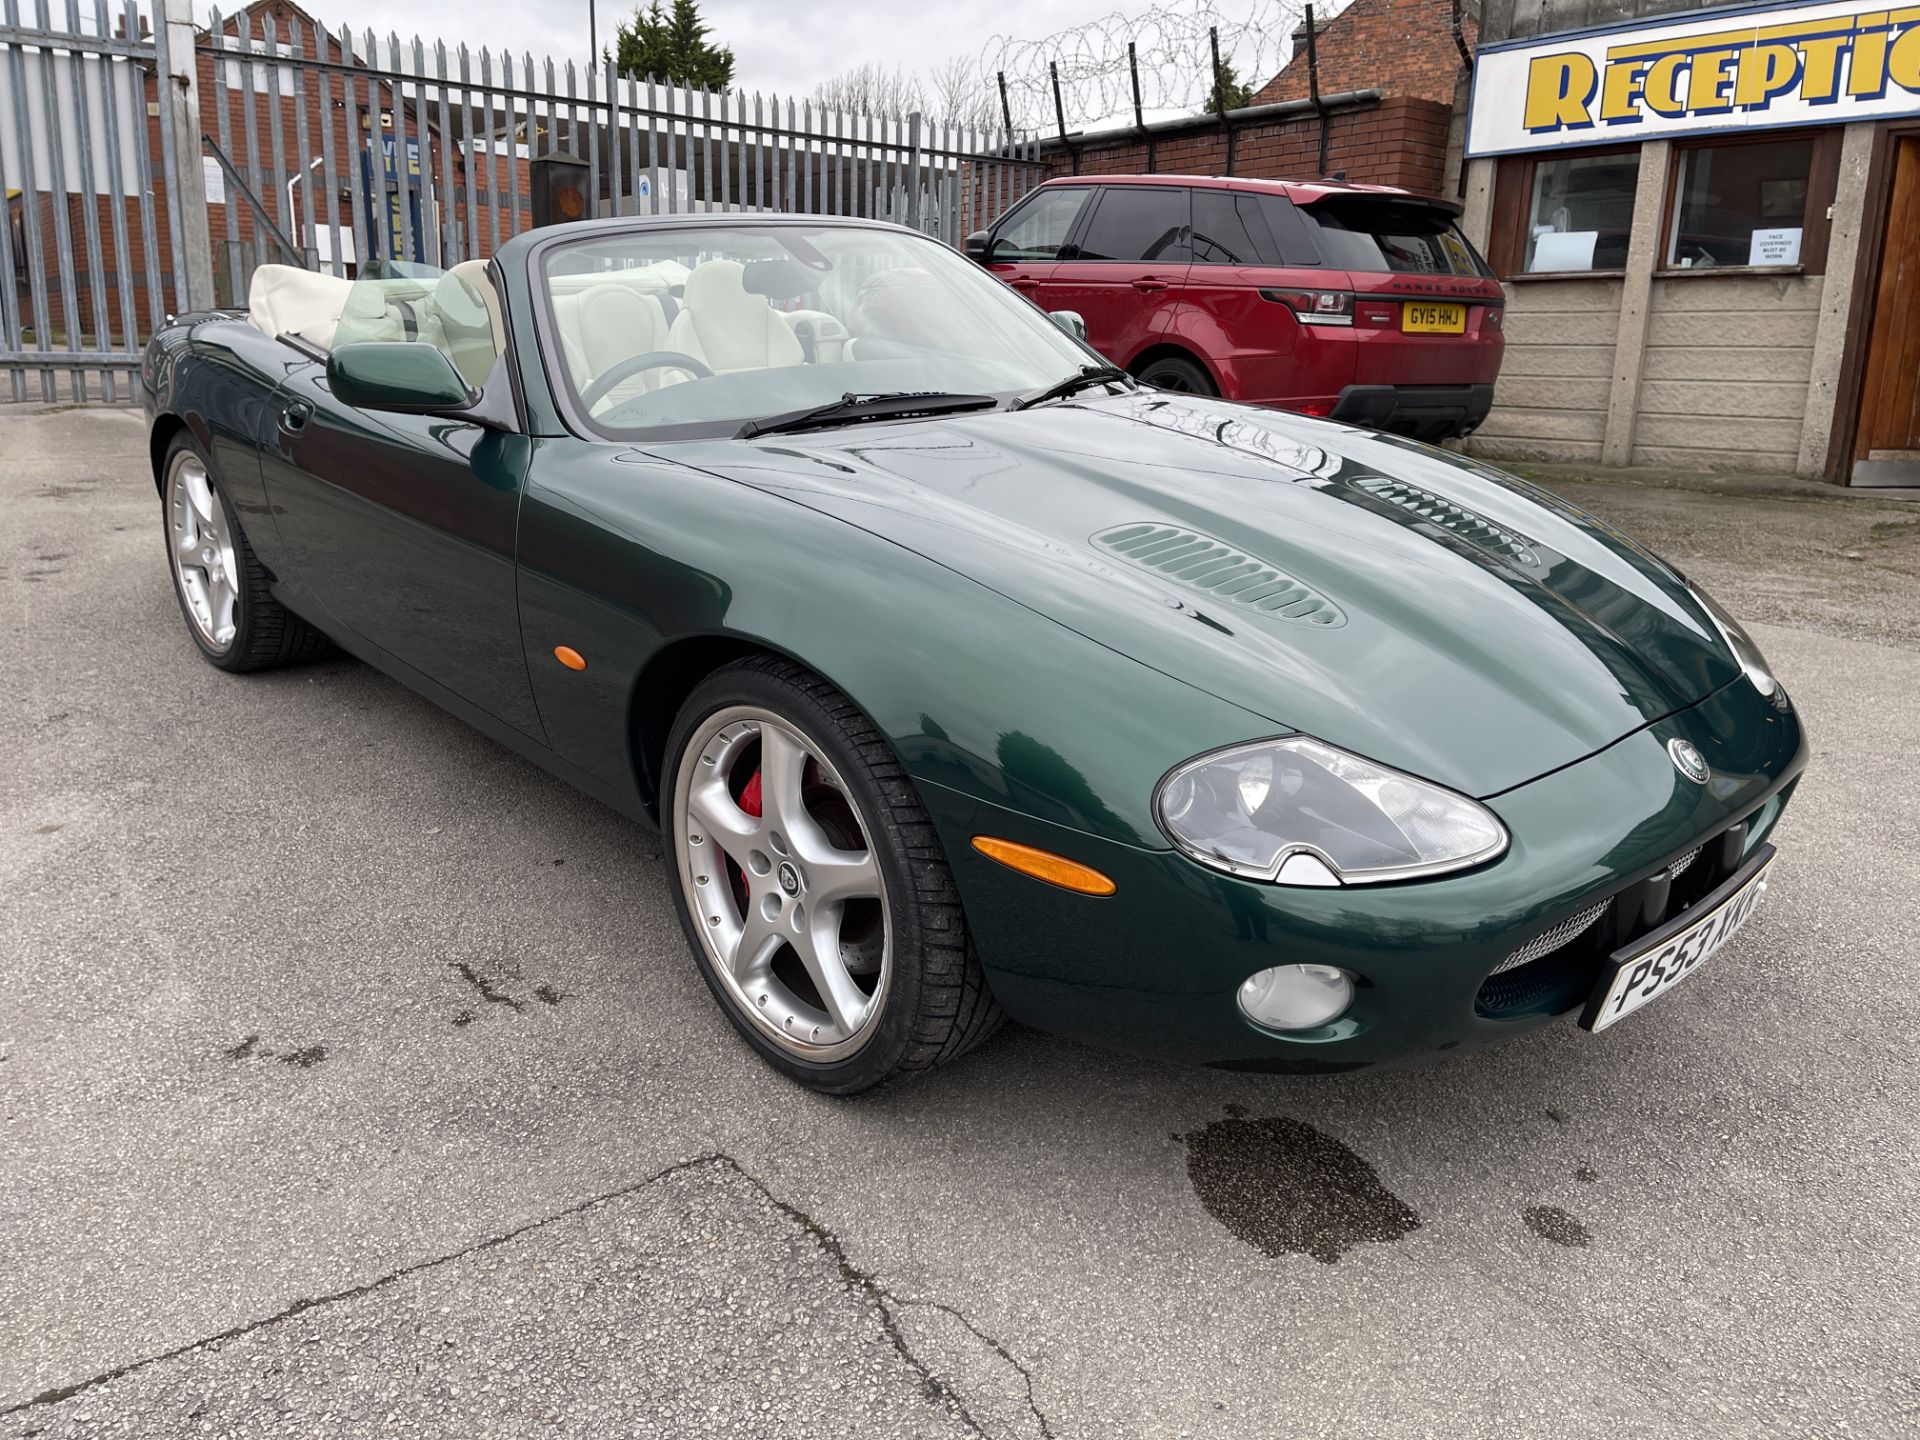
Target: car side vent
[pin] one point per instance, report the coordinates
(1206, 565)
(1454, 519)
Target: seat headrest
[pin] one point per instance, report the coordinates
(718, 283)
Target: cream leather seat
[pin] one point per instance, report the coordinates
(602, 325)
(286, 300)
(725, 328)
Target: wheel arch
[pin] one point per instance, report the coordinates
(1174, 350)
(671, 674)
(166, 426)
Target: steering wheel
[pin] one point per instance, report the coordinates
(633, 365)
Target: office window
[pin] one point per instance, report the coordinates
(1739, 205)
(1581, 212)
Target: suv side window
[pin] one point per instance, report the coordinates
(1290, 231)
(1137, 223)
(1036, 230)
(1227, 230)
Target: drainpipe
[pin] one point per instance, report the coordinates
(1220, 98)
(1313, 88)
(1460, 39)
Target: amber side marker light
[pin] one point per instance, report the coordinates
(569, 657)
(1044, 865)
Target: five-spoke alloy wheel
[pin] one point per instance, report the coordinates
(812, 884)
(781, 872)
(201, 544)
(224, 592)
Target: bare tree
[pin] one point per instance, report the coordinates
(871, 89)
(959, 94)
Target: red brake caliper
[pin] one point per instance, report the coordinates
(750, 797)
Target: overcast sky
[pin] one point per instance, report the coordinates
(783, 46)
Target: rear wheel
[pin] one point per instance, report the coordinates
(221, 586)
(812, 886)
(1176, 372)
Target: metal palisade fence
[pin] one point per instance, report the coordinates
(150, 169)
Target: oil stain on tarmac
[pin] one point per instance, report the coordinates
(1283, 1187)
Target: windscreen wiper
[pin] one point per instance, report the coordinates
(852, 409)
(1080, 379)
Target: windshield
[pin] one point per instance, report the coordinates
(692, 331)
(1387, 235)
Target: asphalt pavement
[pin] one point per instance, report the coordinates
(355, 1079)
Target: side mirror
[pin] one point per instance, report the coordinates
(399, 375)
(978, 243)
(1071, 321)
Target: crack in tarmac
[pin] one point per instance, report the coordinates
(861, 1283)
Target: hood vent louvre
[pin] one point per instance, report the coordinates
(1454, 519)
(1220, 571)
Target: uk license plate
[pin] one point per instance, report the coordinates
(1425, 317)
(1656, 963)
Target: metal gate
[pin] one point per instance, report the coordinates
(81, 276)
(151, 173)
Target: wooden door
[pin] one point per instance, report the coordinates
(1887, 447)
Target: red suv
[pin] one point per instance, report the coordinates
(1356, 301)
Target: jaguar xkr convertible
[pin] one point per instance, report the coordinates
(966, 677)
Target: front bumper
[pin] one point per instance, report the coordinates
(1420, 412)
(1153, 970)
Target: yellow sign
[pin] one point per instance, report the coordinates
(1804, 64)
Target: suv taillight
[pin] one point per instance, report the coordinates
(1315, 307)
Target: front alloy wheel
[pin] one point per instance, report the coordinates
(781, 876)
(813, 886)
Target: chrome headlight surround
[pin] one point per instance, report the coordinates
(1752, 663)
(1296, 811)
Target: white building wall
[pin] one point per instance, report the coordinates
(1723, 384)
(1551, 399)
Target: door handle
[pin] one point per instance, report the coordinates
(1148, 282)
(1024, 284)
(293, 419)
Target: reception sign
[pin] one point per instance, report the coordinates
(1690, 74)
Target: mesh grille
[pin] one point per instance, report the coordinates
(1206, 565)
(1454, 519)
(1679, 867)
(1561, 934)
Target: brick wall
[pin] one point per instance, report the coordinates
(1401, 140)
(1404, 47)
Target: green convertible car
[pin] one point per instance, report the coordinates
(965, 676)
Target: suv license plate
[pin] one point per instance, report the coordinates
(1422, 317)
(1660, 961)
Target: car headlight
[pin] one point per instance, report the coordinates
(1744, 649)
(1299, 812)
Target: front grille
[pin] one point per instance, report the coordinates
(1558, 968)
(1559, 935)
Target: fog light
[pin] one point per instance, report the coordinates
(1296, 997)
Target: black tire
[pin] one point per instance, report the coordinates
(265, 633)
(1176, 372)
(936, 1005)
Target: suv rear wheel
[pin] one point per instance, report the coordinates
(1175, 372)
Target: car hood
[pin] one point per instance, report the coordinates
(1398, 601)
